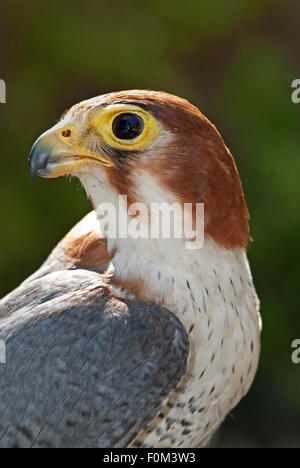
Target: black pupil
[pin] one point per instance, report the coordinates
(127, 126)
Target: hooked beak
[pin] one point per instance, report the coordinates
(50, 157)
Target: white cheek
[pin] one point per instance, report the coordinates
(151, 191)
(98, 187)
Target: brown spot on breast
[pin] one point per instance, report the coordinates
(88, 251)
(86, 246)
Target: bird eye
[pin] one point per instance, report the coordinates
(127, 126)
(66, 133)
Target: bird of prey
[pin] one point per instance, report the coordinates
(126, 341)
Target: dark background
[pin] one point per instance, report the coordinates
(235, 60)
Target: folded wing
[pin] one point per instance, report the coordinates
(83, 368)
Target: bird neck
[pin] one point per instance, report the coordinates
(167, 274)
(164, 272)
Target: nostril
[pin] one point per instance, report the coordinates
(66, 133)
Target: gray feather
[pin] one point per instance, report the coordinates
(83, 368)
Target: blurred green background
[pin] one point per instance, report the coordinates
(235, 60)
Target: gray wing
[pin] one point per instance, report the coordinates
(83, 368)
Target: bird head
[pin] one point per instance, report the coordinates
(152, 147)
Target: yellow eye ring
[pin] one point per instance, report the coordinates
(103, 122)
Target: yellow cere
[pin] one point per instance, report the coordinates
(76, 150)
(103, 122)
(71, 140)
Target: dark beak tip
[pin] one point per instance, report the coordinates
(31, 169)
(33, 177)
(38, 159)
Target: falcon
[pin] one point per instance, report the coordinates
(124, 341)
